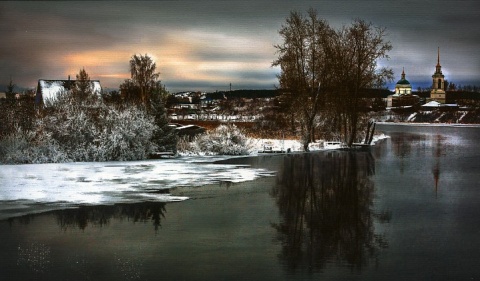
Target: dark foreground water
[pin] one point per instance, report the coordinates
(407, 210)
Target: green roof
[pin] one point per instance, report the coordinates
(403, 82)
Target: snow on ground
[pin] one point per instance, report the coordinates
(429, 124)
(295, 145)
(69, 184)
(39, 187)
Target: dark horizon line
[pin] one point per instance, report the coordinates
(415, 85)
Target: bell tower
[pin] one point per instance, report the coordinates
(438, 82)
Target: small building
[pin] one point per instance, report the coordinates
(50, 89)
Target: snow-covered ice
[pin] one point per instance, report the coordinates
(38, 187)
(70, 184)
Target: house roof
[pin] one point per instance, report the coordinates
(49, 89)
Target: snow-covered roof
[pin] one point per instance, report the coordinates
(432, 104)
(49, 89)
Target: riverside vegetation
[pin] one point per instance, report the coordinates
(83, 126)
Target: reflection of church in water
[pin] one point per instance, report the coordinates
(403, 96)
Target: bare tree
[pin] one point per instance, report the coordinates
(142, 70)
(146, 89)
(301, 59)
(352, 63)
(323, 71)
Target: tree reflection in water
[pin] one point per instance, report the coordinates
(100, 215)
(83, 216)
(325, 203)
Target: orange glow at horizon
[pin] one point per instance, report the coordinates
(189, 58)
(117, 75)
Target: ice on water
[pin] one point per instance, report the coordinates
(70, 184)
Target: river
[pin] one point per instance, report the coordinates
(405, 210)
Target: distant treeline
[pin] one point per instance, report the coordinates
(459, 95)
(247, 94)
(375, 93)
(452, 96)
(251, 94)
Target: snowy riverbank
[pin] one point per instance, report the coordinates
(296, 145)
(256, 146)
(37, 188)
(430, 124)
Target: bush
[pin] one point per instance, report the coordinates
(26, 147)
(85, 130)
(224, 140)
(91, 131)
(185, 146)
(124, 135)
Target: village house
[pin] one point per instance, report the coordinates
(50, 89)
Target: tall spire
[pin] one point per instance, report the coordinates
(438, 57)
(403, 73)
(438, 68)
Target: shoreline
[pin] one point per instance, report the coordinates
(430, 124)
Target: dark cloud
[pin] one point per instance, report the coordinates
(49, 39)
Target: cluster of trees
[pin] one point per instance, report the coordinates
(323, 71)
(83, 126)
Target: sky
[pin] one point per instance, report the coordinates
(206, 45)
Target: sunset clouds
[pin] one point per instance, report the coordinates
(206, 45)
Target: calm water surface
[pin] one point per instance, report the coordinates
(407, 210)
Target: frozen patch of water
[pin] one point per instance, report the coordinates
(23, 188)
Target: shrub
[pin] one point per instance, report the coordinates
(91, 131)
(224, 140)
(26, 147)
(124, 135)
(185, 146)
(70, 129)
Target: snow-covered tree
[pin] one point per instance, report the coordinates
(93, 131)
(224, 140)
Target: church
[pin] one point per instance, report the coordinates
(403, 89)
(438, 85)
(403, 86)
(403, 94)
